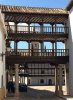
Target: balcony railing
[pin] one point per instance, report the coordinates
(37, 29)
(38, 52)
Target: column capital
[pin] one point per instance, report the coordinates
(16, 64)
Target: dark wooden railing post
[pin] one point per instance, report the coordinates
(41, 28)
(55, 48)
(65, 28)
(52, 27)
(15, 47)
(15, 27)
(33, 29)
(28, 27)
(52, 48)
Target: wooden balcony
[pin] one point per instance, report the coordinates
(35, 32)
(60, 56)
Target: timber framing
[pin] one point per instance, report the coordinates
(70, 5)
(30, 33)
(35, 15)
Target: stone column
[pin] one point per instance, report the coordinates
(11, 74)
(60, 81)
(16, 80)
(56, 80)
(67, 78)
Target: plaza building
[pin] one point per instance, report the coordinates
(36, 65)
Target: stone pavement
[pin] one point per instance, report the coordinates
(34, 94)
(14, 98)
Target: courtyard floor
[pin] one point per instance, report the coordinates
(36, 93)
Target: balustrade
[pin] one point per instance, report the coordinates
(37, 29)
(39, 52)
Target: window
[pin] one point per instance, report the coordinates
(42, 72)
(41, 81)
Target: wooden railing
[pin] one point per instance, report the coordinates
(37, 29)
(38, 52)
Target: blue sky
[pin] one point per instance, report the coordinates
(37, 3)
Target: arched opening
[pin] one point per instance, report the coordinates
(22, 45)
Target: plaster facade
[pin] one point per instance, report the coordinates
(2, 57)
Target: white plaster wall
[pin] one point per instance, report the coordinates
(2, 49)
(36, 80)
(71, 52)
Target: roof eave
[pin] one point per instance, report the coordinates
(70, 5)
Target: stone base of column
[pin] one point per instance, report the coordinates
(16, 94)
(56, 93)
(2, 93)
(60, 93)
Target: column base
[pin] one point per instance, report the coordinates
(2, 93)
(60, 93)
(57, 93)
(17, 94)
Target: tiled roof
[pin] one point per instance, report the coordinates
(21, 9)
(70, 5)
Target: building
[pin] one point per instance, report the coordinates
(70, 46)
(38, 65)
(2, 57)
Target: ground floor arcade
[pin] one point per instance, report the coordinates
(39, 80)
